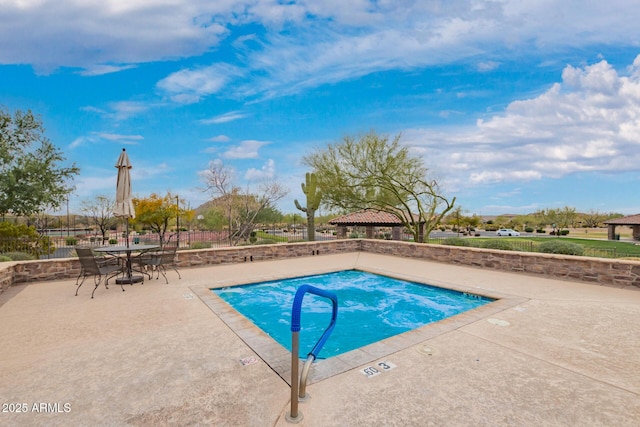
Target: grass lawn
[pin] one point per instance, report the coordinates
(593, 247)
(261, 235)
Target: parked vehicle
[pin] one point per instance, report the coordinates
(507, 232)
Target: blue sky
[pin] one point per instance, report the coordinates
(515, 105)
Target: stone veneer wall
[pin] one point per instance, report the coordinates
(17, 272)
(586, 269)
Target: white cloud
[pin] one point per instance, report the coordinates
(350, 41)
(219, 138)
(95, 137)
(189, 86)
(246, 150)
(86, 186)
(224, 118)
(119, 137)
(98, 70)
(50, 34)
(483, 67)
(122, 110)
(325, 40)
(588, 122)
(265, 173)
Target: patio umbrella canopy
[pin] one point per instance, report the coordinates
(124, 202)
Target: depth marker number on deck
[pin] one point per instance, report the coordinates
(372, 371)
(248, 361)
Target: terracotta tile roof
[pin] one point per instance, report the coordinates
(367, 217)
(625, 220)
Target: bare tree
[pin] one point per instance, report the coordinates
(100, 213)
(241, 207)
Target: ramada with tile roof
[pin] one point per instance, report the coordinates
(632, 221)
(369, 218)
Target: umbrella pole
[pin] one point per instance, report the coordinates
(126, 235)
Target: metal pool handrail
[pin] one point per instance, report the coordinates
(298, 390)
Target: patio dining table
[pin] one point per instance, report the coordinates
(129, 277)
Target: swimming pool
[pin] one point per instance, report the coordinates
(372, 307)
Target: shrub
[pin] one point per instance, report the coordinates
(456, 241)
(113, 241)
(200, 245)
(266, 242)
(541, 230)
(560, 247)
(4, 258)
(499, 244)
(19, 256)
(564, 232)
(71, 241)
(528, 229)
(25, 239)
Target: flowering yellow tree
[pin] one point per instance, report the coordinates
(158, 212)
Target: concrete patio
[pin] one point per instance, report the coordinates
(549, 353)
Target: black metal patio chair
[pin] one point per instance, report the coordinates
(98, 268)
(158, 261)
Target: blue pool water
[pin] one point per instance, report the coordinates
(371, 307)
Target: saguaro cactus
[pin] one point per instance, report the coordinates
(314, 196)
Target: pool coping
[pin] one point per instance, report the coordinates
(278, 358)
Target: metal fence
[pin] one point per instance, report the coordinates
(530, 246)
(63, 247)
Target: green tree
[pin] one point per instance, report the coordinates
(314, 196)
(540, 219)
(213, 218)
(373, 172)
(593, 219)
(269, 215)
(31, 176)
(455, 218)
(293, 220)
(459, 221)
(562, 218)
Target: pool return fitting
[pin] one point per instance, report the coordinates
(298, 389)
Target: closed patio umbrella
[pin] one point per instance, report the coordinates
(124, 202)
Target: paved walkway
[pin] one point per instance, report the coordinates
(558, 353)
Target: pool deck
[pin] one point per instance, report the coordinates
(549, 353)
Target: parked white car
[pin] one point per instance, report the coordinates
(507, 232)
